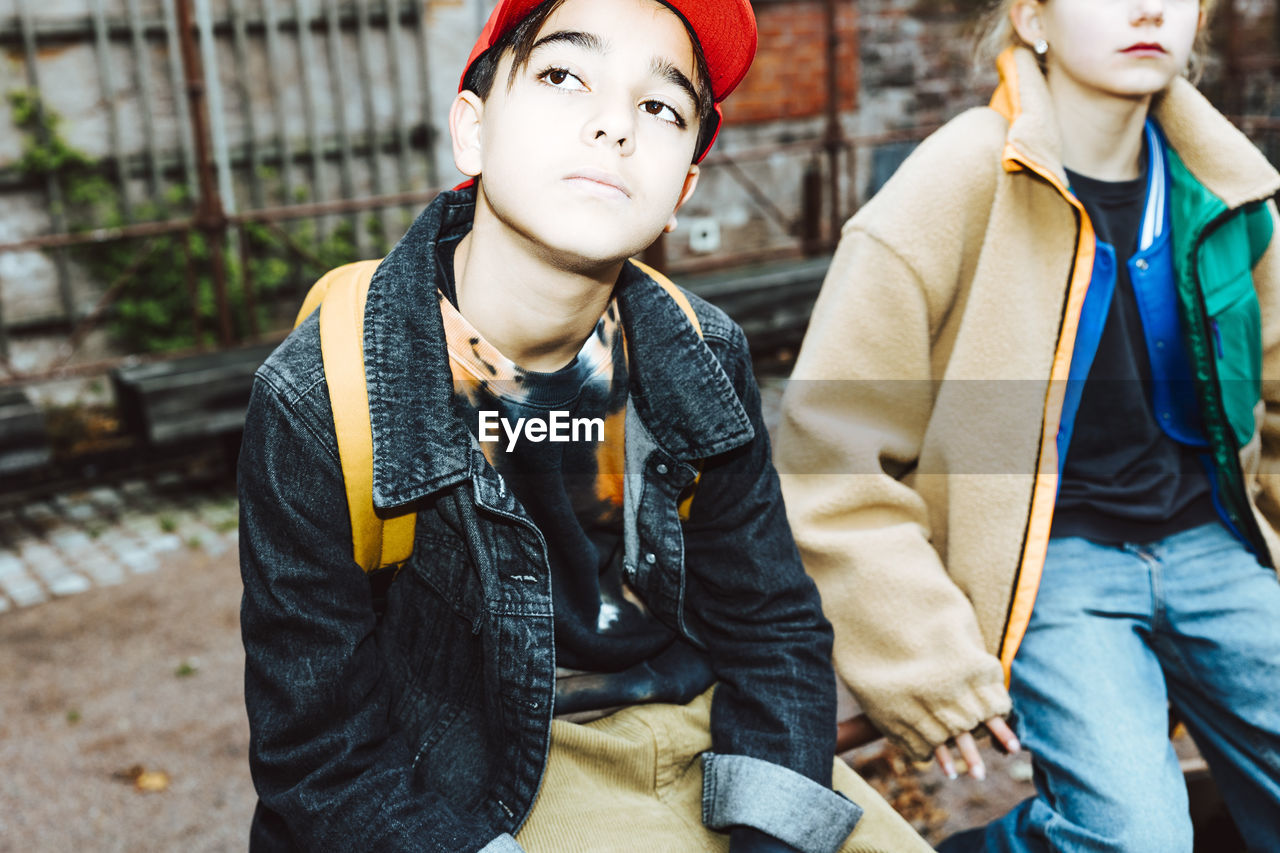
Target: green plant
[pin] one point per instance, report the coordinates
(166, 297)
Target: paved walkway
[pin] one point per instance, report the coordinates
(99, 537)
(77, 541)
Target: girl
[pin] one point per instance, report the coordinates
(1035, 372)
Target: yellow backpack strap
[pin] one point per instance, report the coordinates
(341, 295)
(686, 503)
(674, 292)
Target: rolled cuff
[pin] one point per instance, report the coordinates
(738, 790)
(504, 843)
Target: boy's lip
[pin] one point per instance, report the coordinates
(604, 182)
(1145, 47)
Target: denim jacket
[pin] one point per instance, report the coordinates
(416, 714)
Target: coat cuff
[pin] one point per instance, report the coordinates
(939, 723)
(504, 843)
(738, 790)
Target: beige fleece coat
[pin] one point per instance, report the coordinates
(917, 447)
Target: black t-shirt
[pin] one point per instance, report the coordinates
(1124, 479)
(610, 650)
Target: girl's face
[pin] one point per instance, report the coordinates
(1120, 48)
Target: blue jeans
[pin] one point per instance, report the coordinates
(1117, 634)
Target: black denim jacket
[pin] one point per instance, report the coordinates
(427, 727)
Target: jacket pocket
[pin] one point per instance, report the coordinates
(1235, 327)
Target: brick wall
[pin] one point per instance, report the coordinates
(789, 76)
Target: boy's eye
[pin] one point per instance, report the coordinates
(663, 111)
(561, 78)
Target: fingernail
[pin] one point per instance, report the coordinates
(1015, 745)
(979, 772)
(951, 774)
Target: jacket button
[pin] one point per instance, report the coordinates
(651, 558)
(1164, 415)
(661, 468)
(1159, 344)
(1141, 263)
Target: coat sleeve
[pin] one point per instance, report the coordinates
(324, 759)
(855, 414)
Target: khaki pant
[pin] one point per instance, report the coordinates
(632, 781)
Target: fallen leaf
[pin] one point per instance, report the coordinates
(151, 780)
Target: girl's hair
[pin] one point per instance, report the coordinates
(995, 33)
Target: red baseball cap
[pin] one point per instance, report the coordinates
(725, 29)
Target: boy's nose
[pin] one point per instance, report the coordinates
(613, 126)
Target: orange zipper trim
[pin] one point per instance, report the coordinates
(1044, 492)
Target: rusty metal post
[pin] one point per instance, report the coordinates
(247, 282)
(210, 217)
(834, 135)
(193, 290)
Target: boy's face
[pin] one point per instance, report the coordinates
(588, 154)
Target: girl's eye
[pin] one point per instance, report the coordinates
(663, 111)
(561, 78)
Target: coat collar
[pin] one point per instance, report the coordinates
(420, 441)
(1218, 155)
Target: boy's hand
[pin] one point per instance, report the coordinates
(1003, 735)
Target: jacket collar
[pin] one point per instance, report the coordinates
(420, 441)
(1218, 155)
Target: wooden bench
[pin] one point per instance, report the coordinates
(771, 302)
(24, 444)
(190, 398)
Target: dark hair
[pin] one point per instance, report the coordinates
(521, 38)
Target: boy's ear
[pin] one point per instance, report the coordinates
(466, 115)
(690, 181)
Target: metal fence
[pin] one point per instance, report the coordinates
(236, 139)
(186, 115)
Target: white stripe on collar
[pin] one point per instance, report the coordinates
(1153, 214)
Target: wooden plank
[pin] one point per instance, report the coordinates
(187, 398)
(146, 95)
(52, 188)
(275, 66)
(239, 45)
(23, 442)
(178, 81)
(107, 86)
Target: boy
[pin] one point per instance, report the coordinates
(508, 348)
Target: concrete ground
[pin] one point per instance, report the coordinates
(122, 724)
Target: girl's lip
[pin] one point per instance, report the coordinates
(1142, 47)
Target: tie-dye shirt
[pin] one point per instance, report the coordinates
(610, 651)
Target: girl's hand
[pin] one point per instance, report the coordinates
(1003, 735)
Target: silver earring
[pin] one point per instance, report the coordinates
(1041, 47)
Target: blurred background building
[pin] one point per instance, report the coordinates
(175, 173)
